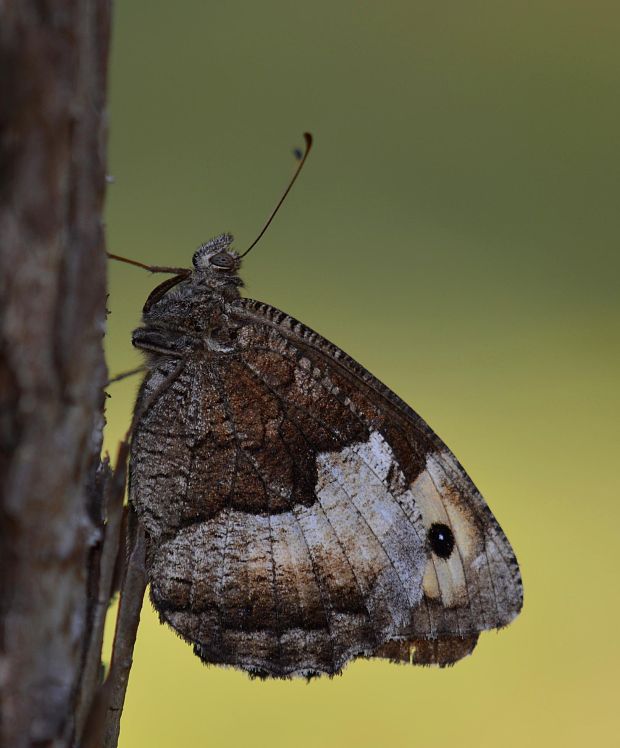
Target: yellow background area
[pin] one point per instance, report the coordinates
(456, 231)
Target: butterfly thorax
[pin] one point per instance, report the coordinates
(188, 314)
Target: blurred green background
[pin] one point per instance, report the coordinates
(455, 230)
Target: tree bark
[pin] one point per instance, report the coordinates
(53, 61)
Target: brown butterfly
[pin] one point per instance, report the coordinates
(298, 513)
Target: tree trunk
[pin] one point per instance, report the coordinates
(53, 61)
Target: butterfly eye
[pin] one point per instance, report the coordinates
(441, 539)
(222, 261)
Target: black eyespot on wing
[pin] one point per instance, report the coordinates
(441, 539)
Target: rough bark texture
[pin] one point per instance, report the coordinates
(53, 58)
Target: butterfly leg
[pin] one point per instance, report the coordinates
(125, 375)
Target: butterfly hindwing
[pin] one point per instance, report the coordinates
(294, 502)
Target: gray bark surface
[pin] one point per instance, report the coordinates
(53, 60)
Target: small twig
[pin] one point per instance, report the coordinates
(114, 493)
(127, 622)
(102, 726)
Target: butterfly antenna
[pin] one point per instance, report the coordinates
(302, 160)
(150, 268)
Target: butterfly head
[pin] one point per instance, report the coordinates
(217, 258)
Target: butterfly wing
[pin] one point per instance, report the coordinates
(303, 515)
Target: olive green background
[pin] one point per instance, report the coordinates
(456, 231)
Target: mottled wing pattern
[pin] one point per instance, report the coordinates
(289, 496)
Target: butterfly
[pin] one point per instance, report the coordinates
(298, 513)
